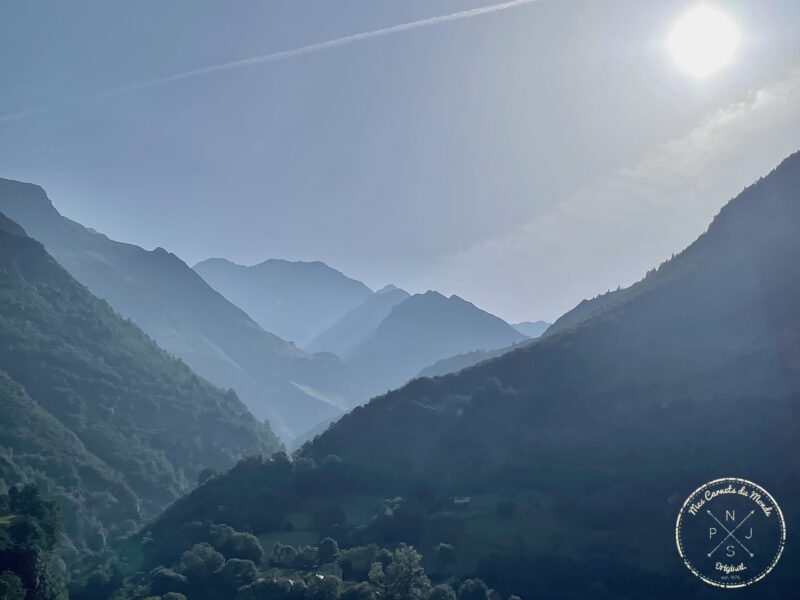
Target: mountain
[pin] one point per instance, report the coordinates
(294, 300)
(574, 453)
(691, 374)
(359, 323)
(419, 331)
(94, 413)
(587, 308)
(189, 319)
(461, 361)
(533, 329)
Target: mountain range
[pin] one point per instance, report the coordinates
(294, 300)
(359, 323)
(188, 318)
(421, 330)
(577, 449)
(93, 412)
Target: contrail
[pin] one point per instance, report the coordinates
(282, 55)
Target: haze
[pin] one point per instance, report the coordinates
(523, 159)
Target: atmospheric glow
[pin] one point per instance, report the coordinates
(704, 41)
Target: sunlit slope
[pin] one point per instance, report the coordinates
(93, 411)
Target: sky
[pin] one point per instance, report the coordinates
(523, 157)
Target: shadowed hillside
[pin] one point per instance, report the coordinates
(578, 449)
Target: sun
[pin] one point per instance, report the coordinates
(703, 41)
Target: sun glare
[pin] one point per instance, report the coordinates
(703, 41)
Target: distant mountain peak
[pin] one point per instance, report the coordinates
(532, 329)
(185, 315)
(387, 288)
(296, 300)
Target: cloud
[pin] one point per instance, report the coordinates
(278, 56)
(612, 232)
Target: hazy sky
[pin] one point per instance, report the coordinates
(523, 159)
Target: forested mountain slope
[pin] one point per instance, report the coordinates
(188, 318)
(93, 412)
(576, 449)
(719, 323)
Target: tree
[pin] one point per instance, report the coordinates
(445, 556)
(283, 555)
(442, 592)
(376, 575)
(29, 502)
(360, 591)
(237, 573)
(357, 561)
(473, 589)
(277, 588)
(236, 544)
(306, 557)
(163, 580)
(324, 588)
(328, 551)
(11, 587)
(405, 578)
(200, 561)
(27, 545)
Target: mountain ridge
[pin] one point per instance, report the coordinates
(294, 299)
(422, 329)
(119, 419)
(186, 316)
